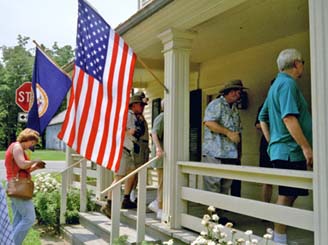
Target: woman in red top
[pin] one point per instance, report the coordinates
(17, 163)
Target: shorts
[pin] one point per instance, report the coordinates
(126, 163)
(143, 155)
(266, 164)
(291, 191)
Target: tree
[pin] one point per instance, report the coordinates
(16, 68)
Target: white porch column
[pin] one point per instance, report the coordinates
(176, 51)
(318, 10)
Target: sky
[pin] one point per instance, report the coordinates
(49, 21)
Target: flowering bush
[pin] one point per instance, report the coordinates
(45, 183)
(47, 202)
(215, 233)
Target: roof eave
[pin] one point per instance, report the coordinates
(141, 15)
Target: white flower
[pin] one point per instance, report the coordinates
(203, 233)
(255, 241)
(215, 217)
(223, 235)
(199, 240)
(267, 236)
(206, 217)
(248, 232)
(216, 229)
(240, 240)
(211, 243)
(230, 243)
(204, 222)
(169, 242)
(229, 225)
(269, 231)
(211, 209)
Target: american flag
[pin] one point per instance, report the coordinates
(95, 120)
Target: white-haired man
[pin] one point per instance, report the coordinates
(287, 126)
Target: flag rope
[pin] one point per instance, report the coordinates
(152, 73)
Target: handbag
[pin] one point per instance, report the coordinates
(20, 188)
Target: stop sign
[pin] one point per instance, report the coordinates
(23, 96)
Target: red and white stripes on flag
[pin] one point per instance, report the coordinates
(95, 120)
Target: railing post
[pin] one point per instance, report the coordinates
(83, 187)
(69, 161)
(116, 213)
(141, 211)
(63, 200)
(104, 179)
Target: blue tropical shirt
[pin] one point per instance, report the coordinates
(219, 145)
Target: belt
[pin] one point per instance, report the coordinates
(124, 148)
(144, 141)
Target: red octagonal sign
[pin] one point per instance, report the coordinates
(23, 96)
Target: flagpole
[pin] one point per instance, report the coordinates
(152, 73)
(54, 63)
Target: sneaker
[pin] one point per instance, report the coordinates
(106, 210)
(127, 204)
(159, 214)
(133, 195)
(153, 206)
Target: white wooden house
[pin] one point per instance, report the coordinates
(201, 44)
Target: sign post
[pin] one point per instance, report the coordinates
(23, 96)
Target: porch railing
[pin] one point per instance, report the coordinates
(290, 216)
(141, 205)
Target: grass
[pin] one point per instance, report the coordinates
(45, 155)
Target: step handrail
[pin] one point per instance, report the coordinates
(137, 170)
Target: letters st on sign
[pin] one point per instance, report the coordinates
(23, 96)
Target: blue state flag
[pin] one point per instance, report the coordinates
(49, 87)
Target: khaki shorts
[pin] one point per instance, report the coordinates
(126, 164)
(143, 155)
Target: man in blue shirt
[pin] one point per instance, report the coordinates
(222, 134)
(286, 123)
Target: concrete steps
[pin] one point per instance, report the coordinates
(79, 235)
(94, 228)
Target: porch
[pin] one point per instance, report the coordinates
(247, 212)
(200, 45)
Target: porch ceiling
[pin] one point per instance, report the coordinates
(222, 26)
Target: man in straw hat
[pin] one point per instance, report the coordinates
(222, 134)
(127, 164)
(141, 146)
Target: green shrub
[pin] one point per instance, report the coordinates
(72, 216)
(47, 203)
(121, 240)
(47, 206)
